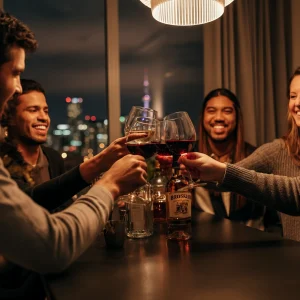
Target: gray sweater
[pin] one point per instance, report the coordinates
(45, 243)
(278, 192)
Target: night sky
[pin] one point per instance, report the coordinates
(70, 60)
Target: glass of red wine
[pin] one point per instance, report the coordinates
(146, 146)
(180, 137)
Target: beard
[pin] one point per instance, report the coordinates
(31, 141)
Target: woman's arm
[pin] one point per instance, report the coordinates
(279, 192)
(262, 159)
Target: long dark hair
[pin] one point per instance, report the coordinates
(240, 151)
(291, 139)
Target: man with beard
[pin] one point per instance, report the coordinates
(27, 121)
(221, 137)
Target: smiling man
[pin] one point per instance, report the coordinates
(27, 121)
(221, 136)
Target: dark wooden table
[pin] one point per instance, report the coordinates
(224, 260)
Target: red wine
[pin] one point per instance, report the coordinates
(163, 150)
(179, 147)
(145, 150)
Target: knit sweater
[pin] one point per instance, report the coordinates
(278, 192)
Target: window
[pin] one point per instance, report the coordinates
(171, 57)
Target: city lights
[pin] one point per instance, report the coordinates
(63, 126)
(57, 132)
(82, 134)
(82, 127)
(76, 143)
(102, 136)
(64, 155)
(66, 132)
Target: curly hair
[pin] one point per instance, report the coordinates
(28, 85)
(14, 33)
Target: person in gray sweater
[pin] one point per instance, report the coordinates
(29, 235)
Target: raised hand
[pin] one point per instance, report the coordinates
(117, 149)
(203, 167)
(101, 162)
(125, 175)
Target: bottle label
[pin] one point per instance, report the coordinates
(179, 205)
(137, 216)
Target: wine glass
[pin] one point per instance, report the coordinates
(138, 111)
(140, 214)
(147, 145)
(180, 137)
(180, 133)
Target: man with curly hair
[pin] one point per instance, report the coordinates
(30, 237)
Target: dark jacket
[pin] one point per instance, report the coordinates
(56, 162)
(50, 194)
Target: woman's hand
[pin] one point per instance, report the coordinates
(203, 167)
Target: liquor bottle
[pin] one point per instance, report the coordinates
(179, 207)
(158, 186)
(139, 215)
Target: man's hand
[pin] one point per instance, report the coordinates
(101, 162)
(116, 150)
(203, 167)
(125, 175)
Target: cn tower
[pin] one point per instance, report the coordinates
(146, 98)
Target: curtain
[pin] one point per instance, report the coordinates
(248, 51)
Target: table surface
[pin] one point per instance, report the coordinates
(224, 260)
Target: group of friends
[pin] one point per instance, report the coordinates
(34, 184)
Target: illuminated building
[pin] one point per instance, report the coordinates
(146, 98)
(82, 135)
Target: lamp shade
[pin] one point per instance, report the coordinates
(227, 2)
(186, 12)
(148, 2)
